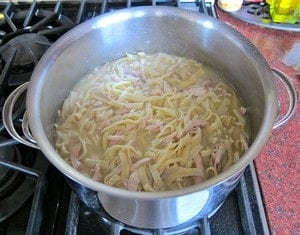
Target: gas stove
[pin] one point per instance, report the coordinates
(34, 197)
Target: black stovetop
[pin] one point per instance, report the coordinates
(40, 201)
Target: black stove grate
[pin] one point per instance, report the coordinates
(53, 208)
(32, 189)
(241, 213)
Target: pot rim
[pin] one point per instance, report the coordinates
(40, 72)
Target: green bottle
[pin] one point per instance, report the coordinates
(284, 11)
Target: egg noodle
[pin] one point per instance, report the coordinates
(151, 123)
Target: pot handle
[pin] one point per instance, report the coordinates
(7, 117)
(28, 139)
(292, 95)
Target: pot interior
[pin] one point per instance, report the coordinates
(151, 30)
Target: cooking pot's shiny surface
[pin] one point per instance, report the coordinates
(153, 29)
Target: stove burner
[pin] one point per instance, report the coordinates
(9, 180)
(24, 171)
(25, 34)
(29, 49)
(100, 222)
(15, 21)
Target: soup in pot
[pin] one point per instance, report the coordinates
(152, 123)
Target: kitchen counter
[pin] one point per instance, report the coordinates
(278, 164)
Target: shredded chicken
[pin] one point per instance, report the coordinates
(97, 175)
(166, 140)
(103, 124)
(197, 91)
(139, 163)
(153, 124)
(193, 124)
(116, 137)
(74, 155)
(133, 181)
(199, 165)
(221, 149)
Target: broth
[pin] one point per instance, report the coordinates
(152, 123)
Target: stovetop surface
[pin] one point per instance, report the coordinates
(48, 204)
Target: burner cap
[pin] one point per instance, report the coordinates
(29, 47)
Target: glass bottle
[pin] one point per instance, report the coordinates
(284, 11)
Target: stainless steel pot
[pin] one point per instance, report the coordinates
(151, 29)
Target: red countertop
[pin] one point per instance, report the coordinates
(277, 165)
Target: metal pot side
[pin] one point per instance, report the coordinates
(153, 29)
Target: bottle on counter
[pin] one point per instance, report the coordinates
(284, 11)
